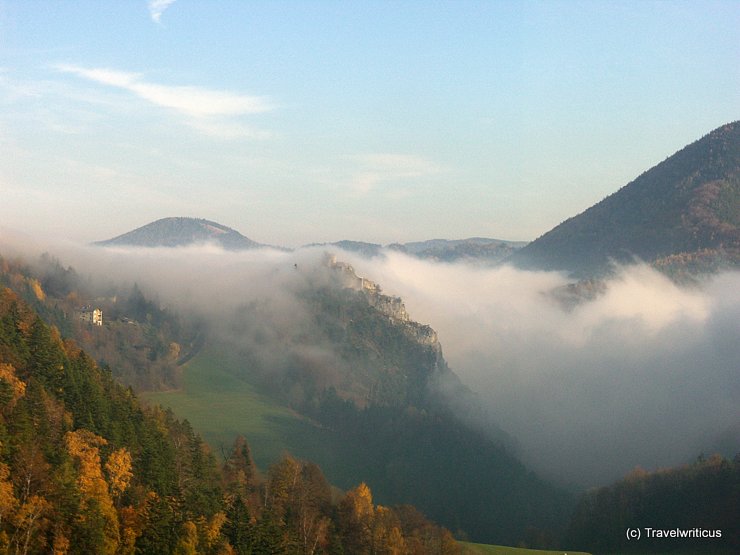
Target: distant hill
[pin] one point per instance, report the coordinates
(683, 213)
(474, 248)
(180, 232)
(445, 250)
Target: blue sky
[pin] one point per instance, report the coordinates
(302, 121)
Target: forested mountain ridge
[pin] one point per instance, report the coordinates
(473, 249)
(698, 503)
(683, 212)
(179, 232)
(85, 468)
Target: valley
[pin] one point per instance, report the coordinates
(565, 383)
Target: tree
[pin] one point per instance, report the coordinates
(238, 528)
(8, 501)
(188, 543)
(159, 528)
(311, 501)
(239, 472)
(118, 468)
(355, 515)
(84, 445)
(30, 521)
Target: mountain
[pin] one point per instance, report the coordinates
(445, 250)
(360, 247)
(180, 232)
(683, 212)
(472, 249)
(380, 403)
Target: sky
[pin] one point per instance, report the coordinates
(310, 121)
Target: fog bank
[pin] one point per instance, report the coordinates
(645, 374)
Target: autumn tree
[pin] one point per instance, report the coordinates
(30, 521)
(8, 503)
(387, 538)
(239, 471)
(188, 542)
(356, 514)
(118, 469)
(97, 504)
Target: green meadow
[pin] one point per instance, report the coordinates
(221, 405)
(482, 549)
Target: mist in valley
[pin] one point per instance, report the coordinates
(645, 374)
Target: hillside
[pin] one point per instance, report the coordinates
(685, 211)
(474, 249)
(478, 249)
(331, 369)
(702, 500)
(180, 232)
(85, 468)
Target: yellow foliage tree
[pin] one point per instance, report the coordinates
(212, 531)
(130, 529)
(188, 543)
(8, 502)
(84, 446)
(38, 291)
(356, 513)
(30, 521)
(118, 468)
(61, 543)
(387, 535)
(17, 387)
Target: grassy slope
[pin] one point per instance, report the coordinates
(481, 549)
(221, 406)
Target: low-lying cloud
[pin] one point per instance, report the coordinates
(645, 374)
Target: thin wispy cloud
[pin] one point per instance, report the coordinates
(157, 8)
(188, 100)
(206, 109)
(376, 170)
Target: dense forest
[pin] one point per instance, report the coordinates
(85, 468)
(702, 499)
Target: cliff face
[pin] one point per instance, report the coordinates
(392, 307)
